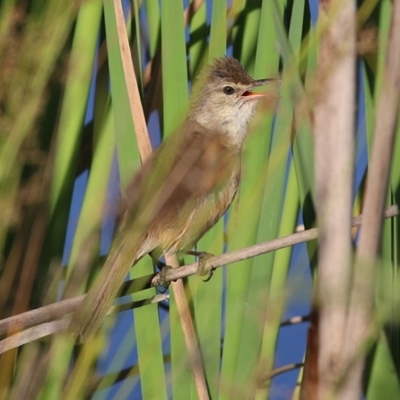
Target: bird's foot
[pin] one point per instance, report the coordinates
(162, 277)
(203, 269)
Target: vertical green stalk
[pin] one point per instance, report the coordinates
(176, 100)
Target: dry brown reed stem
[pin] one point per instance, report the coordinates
(258, 249)
(334, 149)
(145, 150)
(363, 291)
(53, 312)
(135, 103)
(189, 333)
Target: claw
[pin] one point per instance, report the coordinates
(162, 277)
(203, 269)
(210, 273)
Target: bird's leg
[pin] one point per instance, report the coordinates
(162, 280)
(203, 269)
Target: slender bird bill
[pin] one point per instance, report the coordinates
(259, 95)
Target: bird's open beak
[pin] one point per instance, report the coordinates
(260, 82)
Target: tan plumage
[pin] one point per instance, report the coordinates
(183, 189)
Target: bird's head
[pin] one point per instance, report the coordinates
(223, 99)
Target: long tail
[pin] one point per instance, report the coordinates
(88, 318)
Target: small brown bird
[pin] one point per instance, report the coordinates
(184, 188)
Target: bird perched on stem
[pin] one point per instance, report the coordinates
(184, 188)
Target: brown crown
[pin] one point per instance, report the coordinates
(229, 69)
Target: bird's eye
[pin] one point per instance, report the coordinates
(229, 90)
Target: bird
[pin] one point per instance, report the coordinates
(183, 188)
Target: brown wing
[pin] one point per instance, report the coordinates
(177, 195)
(188, 181)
